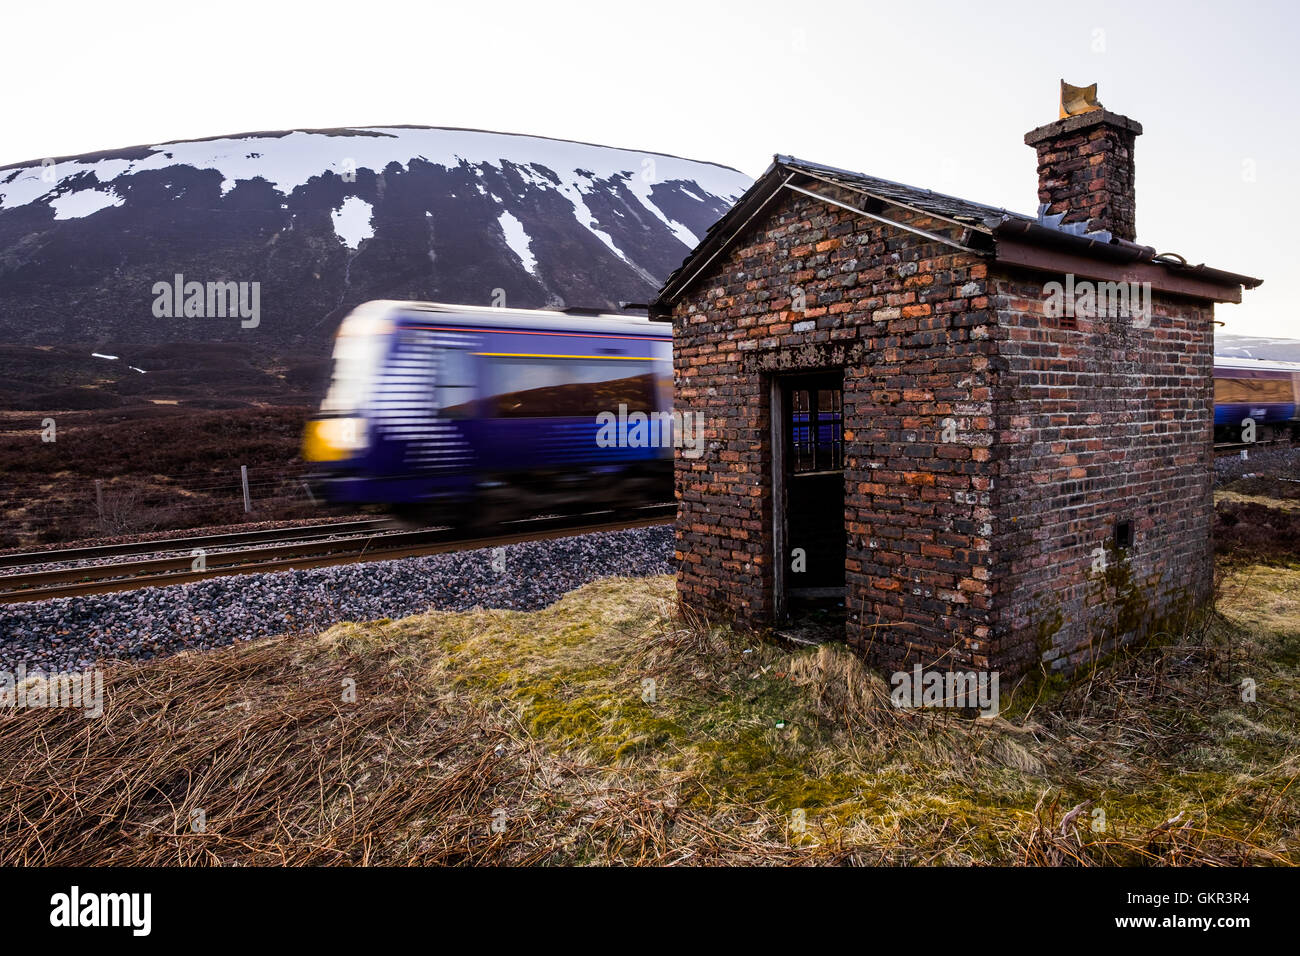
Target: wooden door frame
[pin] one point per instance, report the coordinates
(776, 399)
(780, 487)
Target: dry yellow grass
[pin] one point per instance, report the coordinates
(608, 729)
(1265, 500)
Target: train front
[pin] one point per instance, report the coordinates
(338, 443)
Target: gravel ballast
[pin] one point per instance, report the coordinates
(67, 634)
(1266, 460)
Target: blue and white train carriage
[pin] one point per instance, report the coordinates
(1262, 391)
(473, 414)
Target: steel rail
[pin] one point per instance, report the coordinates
(104, 579)
(53, 555)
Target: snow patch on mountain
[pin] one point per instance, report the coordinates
(586, 219)
(352, 221)
(291, 160)
(84, 203)
(641, 186)
(22, 186)
(518, 241)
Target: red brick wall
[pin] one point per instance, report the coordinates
(977, 551)
(907, 320)
(1105, 422)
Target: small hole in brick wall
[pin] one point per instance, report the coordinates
(1124, 534)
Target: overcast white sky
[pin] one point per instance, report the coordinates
(937, 93)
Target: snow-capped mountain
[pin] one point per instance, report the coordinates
(323, 219)
(1257, 347)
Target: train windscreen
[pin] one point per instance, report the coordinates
(565, 388)
(359, 350)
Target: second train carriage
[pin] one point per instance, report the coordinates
(1263, 392)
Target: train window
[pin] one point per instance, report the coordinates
(359, 353)
(1230, 389)
(455, 368)
(571, 388)
(454, 383)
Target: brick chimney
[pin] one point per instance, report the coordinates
(1085, 164)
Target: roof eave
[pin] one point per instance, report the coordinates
(1062, 252)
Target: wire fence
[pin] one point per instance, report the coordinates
(66, 508)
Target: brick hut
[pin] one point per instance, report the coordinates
(979, 439)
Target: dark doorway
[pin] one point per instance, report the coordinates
(809, 468)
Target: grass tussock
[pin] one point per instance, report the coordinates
(611, 728)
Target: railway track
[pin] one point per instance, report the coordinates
(1235, 448)
(204, 542)
(295, 548)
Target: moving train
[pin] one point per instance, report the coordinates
(1252, 390)
(473, 415)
